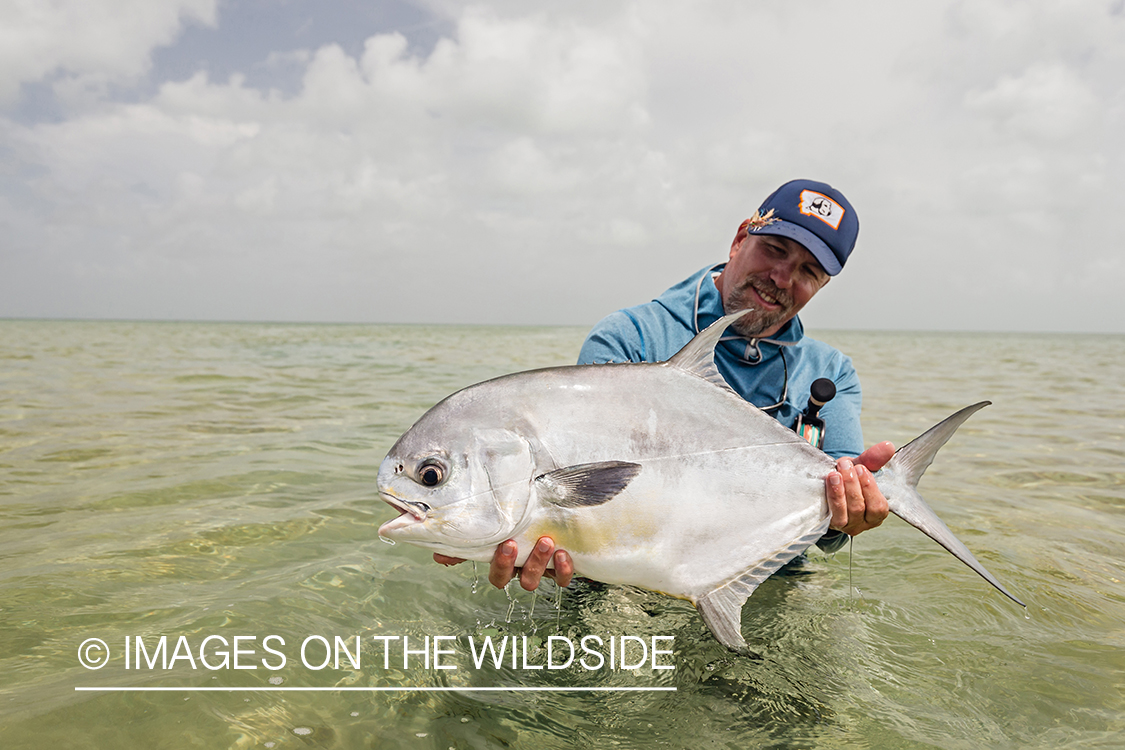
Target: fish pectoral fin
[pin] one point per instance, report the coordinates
(586, 485)
(721, 608)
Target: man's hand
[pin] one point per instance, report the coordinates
(853, 497)
(503, 567)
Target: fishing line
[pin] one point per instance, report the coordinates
(851, 558)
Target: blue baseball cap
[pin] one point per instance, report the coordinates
(815, 214)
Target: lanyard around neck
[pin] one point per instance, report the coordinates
(751, 343)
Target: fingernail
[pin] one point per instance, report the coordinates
(834, 479)
(543, 546)
(509, 549)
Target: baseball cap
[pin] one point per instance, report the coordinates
(815, 214)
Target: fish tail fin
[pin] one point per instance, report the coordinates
(899, 480)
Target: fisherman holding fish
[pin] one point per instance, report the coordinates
(798, 239)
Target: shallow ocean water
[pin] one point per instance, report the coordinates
(200, 481)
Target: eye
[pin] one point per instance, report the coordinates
(431, 474)
(816, 275)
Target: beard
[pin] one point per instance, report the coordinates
(755, 322)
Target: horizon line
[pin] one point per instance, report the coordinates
(586, 326)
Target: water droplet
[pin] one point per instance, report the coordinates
(276, 680)
(511, 603)
(475, 577)
(302, 731)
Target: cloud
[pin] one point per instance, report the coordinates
(88, 44)
(1048, 102)
(550, 163)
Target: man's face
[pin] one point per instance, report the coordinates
(774, 276)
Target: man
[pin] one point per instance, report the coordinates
(780, 258)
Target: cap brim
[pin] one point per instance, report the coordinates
(810, 241)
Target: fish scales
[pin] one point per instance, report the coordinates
(653, 475)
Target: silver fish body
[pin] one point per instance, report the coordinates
(654, 475)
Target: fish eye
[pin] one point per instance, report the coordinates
(431, 474)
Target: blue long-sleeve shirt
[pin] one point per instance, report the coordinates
(775, 374)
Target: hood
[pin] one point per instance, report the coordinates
(697, 298)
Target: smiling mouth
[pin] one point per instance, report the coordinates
(767, 298)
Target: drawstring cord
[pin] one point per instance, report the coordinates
(752, 355)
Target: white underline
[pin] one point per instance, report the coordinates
(374, 689)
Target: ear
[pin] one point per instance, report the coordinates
(739, 236)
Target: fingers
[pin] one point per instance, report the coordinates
(845, 497)
(854, 499)
(503, 564)
(876, 457)
(536, 563)
(875, 508)
(447, 560)
(503, 568)
(564, 568)
(853, 490)
(837, 501)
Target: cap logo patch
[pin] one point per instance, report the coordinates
(820, 206)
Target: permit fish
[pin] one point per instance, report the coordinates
(656, 475)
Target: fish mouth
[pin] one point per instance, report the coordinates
(410, 513)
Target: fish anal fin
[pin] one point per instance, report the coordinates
(586, 485)
(721, 608)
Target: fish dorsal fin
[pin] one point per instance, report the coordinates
(698, 355)
(721, 608)
(586, 485)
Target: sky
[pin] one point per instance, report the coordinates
(533, 162)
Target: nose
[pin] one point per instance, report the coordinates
(782, 274)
